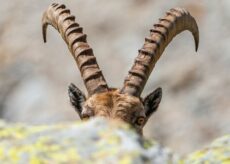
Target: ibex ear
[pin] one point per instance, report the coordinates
(77, 98)
(152, 101)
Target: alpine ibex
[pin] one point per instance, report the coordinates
(124, 104)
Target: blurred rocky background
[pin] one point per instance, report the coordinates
(196, 86)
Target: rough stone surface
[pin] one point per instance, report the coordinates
(94, 141)
(217, 152)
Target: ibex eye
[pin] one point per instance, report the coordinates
(140, 121)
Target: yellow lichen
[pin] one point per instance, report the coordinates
(36, 160)
(126, 159)
(129, 157)
(217, 152)
(70, 155)
(148, 144)
(13, 154)
(40, 144)
(1, 153)
(226, 161)
(197, 155)
(105, 152)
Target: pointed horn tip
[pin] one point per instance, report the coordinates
(196, 49)
(197, 43)
(44, 26)
(196, 38)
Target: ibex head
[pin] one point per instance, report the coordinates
(123, 104)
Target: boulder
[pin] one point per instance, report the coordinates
(95, 141)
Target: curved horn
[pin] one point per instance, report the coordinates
(62, 20)
(175, 21)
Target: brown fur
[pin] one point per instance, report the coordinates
(115, 105)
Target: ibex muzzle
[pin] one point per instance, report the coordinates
(123, 104)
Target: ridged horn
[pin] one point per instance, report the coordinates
(61, 19)
(176, 21)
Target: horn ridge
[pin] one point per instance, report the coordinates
(58, 16)
(176, 21)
